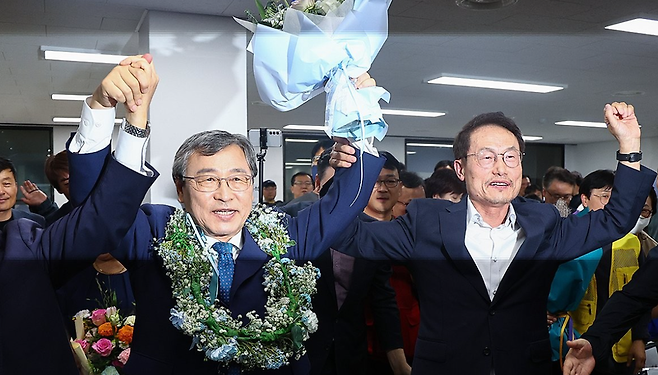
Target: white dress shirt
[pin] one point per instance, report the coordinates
(95, 133)
(492, 249)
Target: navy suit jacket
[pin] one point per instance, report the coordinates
(158, 348)
(341, 340)
(34, 260)
(461, 329)
(18, 214)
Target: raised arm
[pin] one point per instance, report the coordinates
(98, 225)
(317, 227)
(131, 83)
(623, 125)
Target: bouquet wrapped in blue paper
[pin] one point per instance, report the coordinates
(313, 46)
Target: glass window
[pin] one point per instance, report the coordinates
(27, 148)
(539, 157)
(422, 155)
(297, 156)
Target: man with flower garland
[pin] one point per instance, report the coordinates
(34, 261)
(190, 300)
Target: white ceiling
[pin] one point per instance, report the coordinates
(543, 41)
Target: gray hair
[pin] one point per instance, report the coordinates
(209, 143)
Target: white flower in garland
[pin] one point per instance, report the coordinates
(268, 342)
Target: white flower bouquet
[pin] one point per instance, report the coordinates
(322, 45)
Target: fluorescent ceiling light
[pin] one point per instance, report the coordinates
(73, 97)
(404, 112)
(429, 145)
(587, 124)
(293, 163)
(58, 54)
(411, 152)
(532, 138)
(305, 127)
(76, 120)
(294, 140)
(303, 160)
(490, 84)
(638, 26)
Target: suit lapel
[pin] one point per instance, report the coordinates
(453, 232)
(249, 262)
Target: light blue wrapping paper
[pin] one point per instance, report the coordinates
(291, 66)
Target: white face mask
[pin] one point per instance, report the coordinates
(642, 223)
(563, 207)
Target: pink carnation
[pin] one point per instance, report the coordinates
(124, 355)
(103, 347)
(98, 317)
(84, 344)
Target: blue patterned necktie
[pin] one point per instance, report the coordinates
(225, 267)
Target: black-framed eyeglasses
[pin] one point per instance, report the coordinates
(646, 212)
(487, 158)
(303, 183)
(210, 183)
(389, 182)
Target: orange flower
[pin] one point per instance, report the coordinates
(126, 334)
(106, 330)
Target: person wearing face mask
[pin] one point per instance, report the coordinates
(583, 286)
(647, 242)
(558, 187)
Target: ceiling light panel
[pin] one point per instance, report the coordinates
(295, 140)
(439, 145)
(72, 97)
(637, 26)
(76, 120)
(305, 127)
(587, 124)
(413, 113)
(54, 53)
(493, 84)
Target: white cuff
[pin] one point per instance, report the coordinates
(131, 152)
(95, 130)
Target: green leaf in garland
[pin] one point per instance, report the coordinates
(297, 338)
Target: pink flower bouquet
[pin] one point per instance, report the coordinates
(103, 338)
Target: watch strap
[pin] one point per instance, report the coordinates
(631, 157)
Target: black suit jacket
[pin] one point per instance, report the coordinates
(340, 342)
(461, 329)
(625, 308)
(33, 261)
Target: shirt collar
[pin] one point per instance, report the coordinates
(473, 216)
(237, 241)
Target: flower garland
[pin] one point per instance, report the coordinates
(268, 342)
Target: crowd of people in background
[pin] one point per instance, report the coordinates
(395, 281)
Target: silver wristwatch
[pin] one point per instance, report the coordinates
(135, 131)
